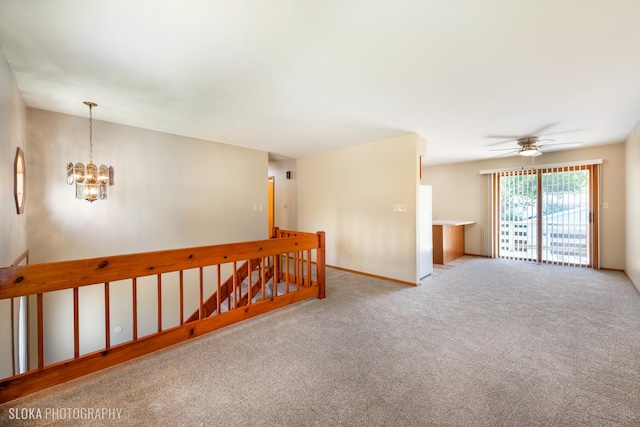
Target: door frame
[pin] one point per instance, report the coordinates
(271, 190)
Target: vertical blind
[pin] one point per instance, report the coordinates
(547, 215)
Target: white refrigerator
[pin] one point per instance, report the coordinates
(425, 238)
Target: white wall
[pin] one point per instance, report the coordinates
(285, 217)
(632, 180)
(170, 191)
(13, 227)
(458, 194)
(350, 194)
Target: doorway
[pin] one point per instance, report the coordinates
(548, 215)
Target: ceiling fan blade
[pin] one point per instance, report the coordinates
(564, 131)
(502, 142)
(510, 138)
(543, 128)
(505, 149)
(574, 144)
(504, 154)
(565, 143)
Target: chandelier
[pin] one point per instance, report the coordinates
(91, 181)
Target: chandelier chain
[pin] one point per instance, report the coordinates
(90, 134)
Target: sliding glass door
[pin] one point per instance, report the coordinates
(565, 217)
(547, 215)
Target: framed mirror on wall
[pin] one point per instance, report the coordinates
(20, 180)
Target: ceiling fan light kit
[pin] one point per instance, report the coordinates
(531, 151)
(529, 147)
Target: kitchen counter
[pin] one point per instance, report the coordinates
(448, 240)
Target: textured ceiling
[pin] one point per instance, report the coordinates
(300, 77)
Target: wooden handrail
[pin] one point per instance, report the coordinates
(41, 278)
(23, 257)
(264, 255)
(279, 234)
(211, 304)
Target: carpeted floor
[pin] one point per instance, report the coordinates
(487, 343)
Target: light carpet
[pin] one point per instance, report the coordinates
(488, 343)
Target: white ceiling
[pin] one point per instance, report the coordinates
(297, 77)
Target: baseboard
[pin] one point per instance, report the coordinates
(632, 282)
(375, 276)
(614, 269)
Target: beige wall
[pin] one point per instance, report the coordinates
(286, 206)
(169, 192)
(13, 113)
(458, 194)
(13, 227)
(632, 157)
(351, 193)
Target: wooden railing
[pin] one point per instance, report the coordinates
(296, 260)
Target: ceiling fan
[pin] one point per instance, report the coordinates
(530, 146)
